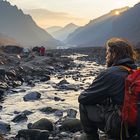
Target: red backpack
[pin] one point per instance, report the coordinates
(132, 89)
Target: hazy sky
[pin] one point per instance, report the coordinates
(83, 10)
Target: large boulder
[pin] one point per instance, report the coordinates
(33, 134)
(32, 96)
(42, 124)
(71, 124)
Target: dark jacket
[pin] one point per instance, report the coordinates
(108, 84)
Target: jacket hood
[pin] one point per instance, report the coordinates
(126, 62)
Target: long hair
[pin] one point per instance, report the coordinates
(121, 49)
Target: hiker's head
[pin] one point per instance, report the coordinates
(117, 49)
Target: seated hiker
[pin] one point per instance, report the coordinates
(100, 104)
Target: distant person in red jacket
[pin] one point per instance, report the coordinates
(42, 51)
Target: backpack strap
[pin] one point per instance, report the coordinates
(125, 68)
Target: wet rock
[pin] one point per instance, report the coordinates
(11, 74)
(63, 82)
(46, 78)
(1, 107)
(16, 90)
(4, 127)
(58, 113)
(56, 138)
(29, 78)
(27, 112)
(2, 73)
(1, 93)
(42, 124)
(32, 96)
(31, 83)
(33, 134)
(71, 113)
(4, 85)
(48, 110)
(20, 117)
(60, 76)
(58, 99)
(67, 87)
(71, 124)
(64, 134)
(16, 83)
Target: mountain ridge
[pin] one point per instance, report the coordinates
(63, 33)
(97, 31)
(22, 27)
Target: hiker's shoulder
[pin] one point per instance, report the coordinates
(111, 70)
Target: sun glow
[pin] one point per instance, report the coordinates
(117, 13)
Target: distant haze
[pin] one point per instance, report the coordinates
(46, 18)
(66, 11)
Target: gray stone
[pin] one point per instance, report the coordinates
(48, 110)
(4, 127)
(58, 99)
(58, 113)
(71, 124)
(32, 96)
(71, 113)
(63, 82)
(27, 112)
(64, 134)
(46, 78)
(33, 134)
(42, 124)
(67, 87)
(20, 117)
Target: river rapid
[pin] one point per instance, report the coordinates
(79, 78)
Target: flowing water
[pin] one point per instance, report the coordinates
(14, 101)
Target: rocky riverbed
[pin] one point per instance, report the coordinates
(39, 93)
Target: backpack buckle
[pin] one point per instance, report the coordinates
(130, 90)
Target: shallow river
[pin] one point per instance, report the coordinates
(14, 101)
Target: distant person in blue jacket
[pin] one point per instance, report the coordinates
(100, 104)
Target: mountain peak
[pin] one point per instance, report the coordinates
(70, 25)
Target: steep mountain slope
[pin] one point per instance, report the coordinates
(97, 31)
(22, 28)
(127, 25)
